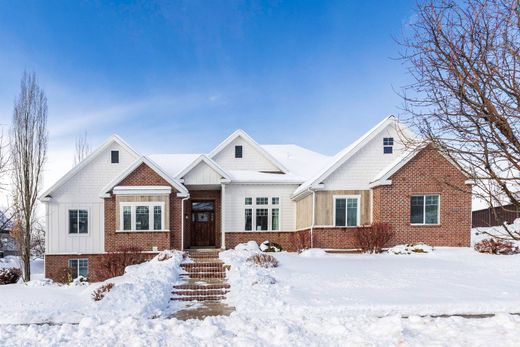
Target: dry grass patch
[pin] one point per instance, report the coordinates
(263, 260)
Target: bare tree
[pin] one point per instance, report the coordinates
(464, 59)
(28, 154)
(81, 148)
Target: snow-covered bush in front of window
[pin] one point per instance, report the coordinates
(373, 238)
(267, 246)
(411, 248)
(497, 246)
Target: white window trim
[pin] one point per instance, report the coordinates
(424, 209)
(358, 215)
(88, 222)
(78, 259)
(133, 205)
(269, 206)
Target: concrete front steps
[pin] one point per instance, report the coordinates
(205, 278)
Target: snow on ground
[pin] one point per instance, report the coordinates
(312, 299)
(272, 330)
(447, 281)
(143, 291)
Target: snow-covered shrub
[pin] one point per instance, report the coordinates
(100, 292)
(263, 260)
(9, 275)
(267, 246)
(164, 255)
(411, 248)
(65, 275)
(249, 246)
(301, 240)
(373, 238)
(115, 263)
(497, 246)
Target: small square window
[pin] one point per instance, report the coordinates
(275, 201)
(238, 151)
(248, 201)
(114, 157)
(388, 149)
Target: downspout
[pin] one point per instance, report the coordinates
(182, 221)
(313, 222)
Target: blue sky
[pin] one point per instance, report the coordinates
(180, 76)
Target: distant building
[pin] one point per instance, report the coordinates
(7, 244)
(493, 216)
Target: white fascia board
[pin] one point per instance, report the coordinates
(241, 133)
(142, 190)
(114, 138)
(380, 183)
(211, 163)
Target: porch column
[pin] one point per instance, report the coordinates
(223, 216)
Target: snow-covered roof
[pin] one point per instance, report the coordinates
(298, 160)
(173, 164)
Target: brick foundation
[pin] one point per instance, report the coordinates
(55, 264)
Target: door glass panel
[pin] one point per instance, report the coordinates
(201, 217)
(202, 206)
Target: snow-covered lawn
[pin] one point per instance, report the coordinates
(447, 281)
(310, 299)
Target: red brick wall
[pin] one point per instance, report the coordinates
(201, 195)
(55, 264)
(334, 238)
(428, 172)
(143, 176)
(284, 238)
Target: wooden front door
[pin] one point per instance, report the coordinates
(203, 223)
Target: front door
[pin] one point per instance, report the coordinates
(202, 223)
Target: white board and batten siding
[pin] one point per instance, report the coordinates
(202, 174)
(357, 172)
(252, 158)
(234, 214)
(82, 191)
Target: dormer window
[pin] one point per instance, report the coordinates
(238, 151)
(114, 157)
(388, 145)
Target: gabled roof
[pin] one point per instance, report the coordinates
(144, 160)
(112, 139)
(344, 155)
(204, 159)
(383, 177)
(241, 133)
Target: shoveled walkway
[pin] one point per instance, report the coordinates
(204, 288)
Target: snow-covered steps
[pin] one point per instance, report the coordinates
(205, 274)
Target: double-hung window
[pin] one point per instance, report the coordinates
(78, 221)
(79, 267)
(346, 211)
(388, 145)
(141, 216)
(424, 209)
(262, 213)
